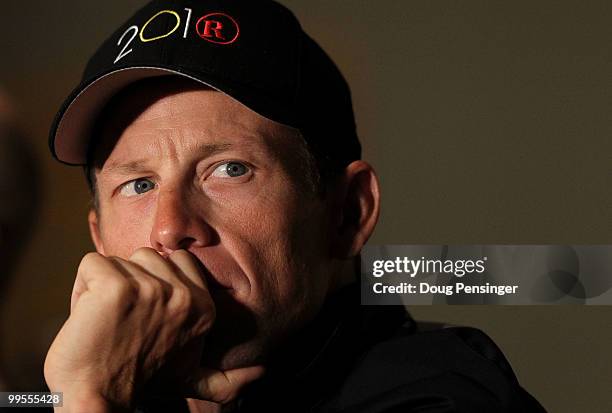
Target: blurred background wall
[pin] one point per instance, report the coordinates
(488, 122)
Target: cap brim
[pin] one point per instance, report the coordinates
(71, 131)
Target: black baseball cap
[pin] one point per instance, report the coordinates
(255, 51)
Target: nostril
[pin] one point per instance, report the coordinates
(185, 243)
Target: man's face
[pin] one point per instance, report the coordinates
(182, 167)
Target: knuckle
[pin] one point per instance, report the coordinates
(163, 289)
(182, 293)
(121, 289)
(206, 308)
(205, 321)
(147, 290)
(153, 289)
(182, 301)
(203, 313)
(88, 260)
(143, 253)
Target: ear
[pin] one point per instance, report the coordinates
(94, 231)
(357, 200)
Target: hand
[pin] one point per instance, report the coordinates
(131, 320)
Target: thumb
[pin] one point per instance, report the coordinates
(221, 386)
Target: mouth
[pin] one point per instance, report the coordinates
(217, 274)
(212, 283)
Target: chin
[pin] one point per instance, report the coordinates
(217, 354)
(244, 335)
(236, 338)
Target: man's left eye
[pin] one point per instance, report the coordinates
(230, 170)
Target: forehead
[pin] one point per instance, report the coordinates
(183, 112)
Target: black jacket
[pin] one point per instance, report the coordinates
(370, 359)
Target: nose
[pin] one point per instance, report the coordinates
(178, 225)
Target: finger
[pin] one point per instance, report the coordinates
(222, 386)
(149, 285)
(151, 262)
(190, 266)
(195, 290)
(95, 271)
(181, 270)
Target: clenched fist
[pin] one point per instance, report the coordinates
(133, 323)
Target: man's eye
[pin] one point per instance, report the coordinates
(230, 170)
(137, 187)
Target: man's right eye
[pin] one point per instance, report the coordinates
(137, 187)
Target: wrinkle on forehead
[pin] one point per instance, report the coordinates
(174, 107)
(126, 167)
(176, 120)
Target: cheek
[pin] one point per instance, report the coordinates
(124, 231)
(274, 236)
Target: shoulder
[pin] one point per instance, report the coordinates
(458, 369)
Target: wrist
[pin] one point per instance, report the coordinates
(88, 402)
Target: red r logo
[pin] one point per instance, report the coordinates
(218, 28)
(213, 26)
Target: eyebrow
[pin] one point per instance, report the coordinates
(126, 168)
